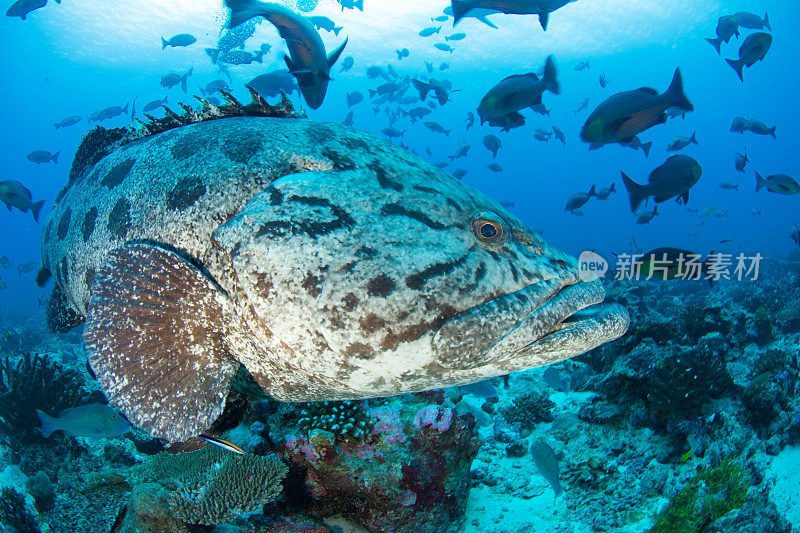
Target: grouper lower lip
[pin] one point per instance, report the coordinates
(572, 324)
(546, 318)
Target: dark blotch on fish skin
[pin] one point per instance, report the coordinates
(366, 252)
(264, 285)
(417, 280)
(89, 276)
(452, 203)
(480, 272)
(359, 350)
(63, 224)
(381, 285)
(187, 145)
(314, 229)
(119, 220)
(350, 301)
(348, 267)
(275, 196)
(338, 161)
(414, 331)
(311, 285)
(274, 228)
(162, 138)
(355, 144)
(514, 273)
(396, 209)
(88, 223)
(116, 175)
(371, 323)
(527, 273)
(236, 249)
(186, 192)
(383, 179)
(319, 134)
(422, 188)
(241, 149)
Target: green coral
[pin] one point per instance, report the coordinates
(212, 486)
(711, 494)
(345, 419)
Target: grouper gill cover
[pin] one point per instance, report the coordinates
(425, 266)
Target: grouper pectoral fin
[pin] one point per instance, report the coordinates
(155, 336)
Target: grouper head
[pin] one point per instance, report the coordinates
(381, 284)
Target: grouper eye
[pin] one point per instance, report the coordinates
(488, 230)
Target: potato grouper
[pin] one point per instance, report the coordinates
(315, 260)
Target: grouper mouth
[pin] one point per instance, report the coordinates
(540, 324)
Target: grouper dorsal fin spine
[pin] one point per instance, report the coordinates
(155, 339)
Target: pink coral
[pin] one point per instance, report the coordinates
(388, 424)
(434, 416)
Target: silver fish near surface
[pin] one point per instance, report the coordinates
(107, 113)
(253, 221)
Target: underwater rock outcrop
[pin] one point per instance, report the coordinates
(410, 474)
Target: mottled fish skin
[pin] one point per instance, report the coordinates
(348, 266)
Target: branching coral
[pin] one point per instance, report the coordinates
(680, 386)
(35, 382)
(211, 486)
(346, 419)
(530, 409)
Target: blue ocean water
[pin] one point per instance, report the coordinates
(75, 58)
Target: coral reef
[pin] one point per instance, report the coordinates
(705, 498)
(212, 486)
(14, 512)
(677, 422)
(411, 472)
(35, 382)
(529, 409)
(235, 486)
(346, 419)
